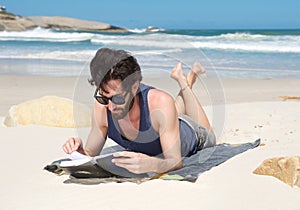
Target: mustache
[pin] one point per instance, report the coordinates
(115, 109)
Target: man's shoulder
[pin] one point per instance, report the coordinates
(159, 97)
(159, 93)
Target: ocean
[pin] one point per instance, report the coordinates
(223, 53)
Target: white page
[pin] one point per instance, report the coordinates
(76, 156)
(76, 159)
(73, 162)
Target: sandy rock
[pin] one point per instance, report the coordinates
(287, 169)
(50, 111)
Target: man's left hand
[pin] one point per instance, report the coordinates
(134, 162)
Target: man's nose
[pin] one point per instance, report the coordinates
(111, 106)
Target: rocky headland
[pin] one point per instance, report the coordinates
(12, 22)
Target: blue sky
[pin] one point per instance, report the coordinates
(170, 14)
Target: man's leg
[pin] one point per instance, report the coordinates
(186, 101)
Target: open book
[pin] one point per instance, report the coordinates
(76, 159)
(83, 166)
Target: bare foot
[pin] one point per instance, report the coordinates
(178, 75)
(196, 69)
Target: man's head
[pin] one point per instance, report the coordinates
(116, 74)
(109, 64)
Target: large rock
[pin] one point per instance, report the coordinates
(11, 22)
(287, 169)
(50, 111)
(66, 23)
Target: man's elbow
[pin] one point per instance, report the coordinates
(178, 165)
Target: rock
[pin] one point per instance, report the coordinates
(152, 29)
(11, 22)
(49, 111)
(66, 23)
(287, 169)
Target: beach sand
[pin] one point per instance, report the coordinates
(248, 109)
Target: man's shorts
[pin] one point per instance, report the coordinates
(204, 136)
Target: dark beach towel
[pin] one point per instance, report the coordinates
(193, 166)
(210, 157)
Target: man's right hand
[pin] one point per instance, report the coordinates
(73, 144)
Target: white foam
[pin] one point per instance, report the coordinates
(46, 35)
(283, 47)
(229, 41)
(148, 29)
(80, 55)
(249, 42)
(165, 41)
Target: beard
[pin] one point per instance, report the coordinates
(120, 112)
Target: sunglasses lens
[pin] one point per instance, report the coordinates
(118, 100)
(102, 100)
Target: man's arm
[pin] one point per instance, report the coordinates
(164, 120)
(97, 135)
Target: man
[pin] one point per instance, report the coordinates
(154, 131)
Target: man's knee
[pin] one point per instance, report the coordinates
(206, 138)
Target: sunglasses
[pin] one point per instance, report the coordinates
(117, 99)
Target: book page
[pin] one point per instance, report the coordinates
(76, 159)
(69, 163)
(77, 155)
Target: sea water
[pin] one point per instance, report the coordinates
(223, 53)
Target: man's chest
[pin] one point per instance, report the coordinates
(129, 129)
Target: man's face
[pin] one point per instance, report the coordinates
(113, 88)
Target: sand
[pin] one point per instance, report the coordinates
(248, 109)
